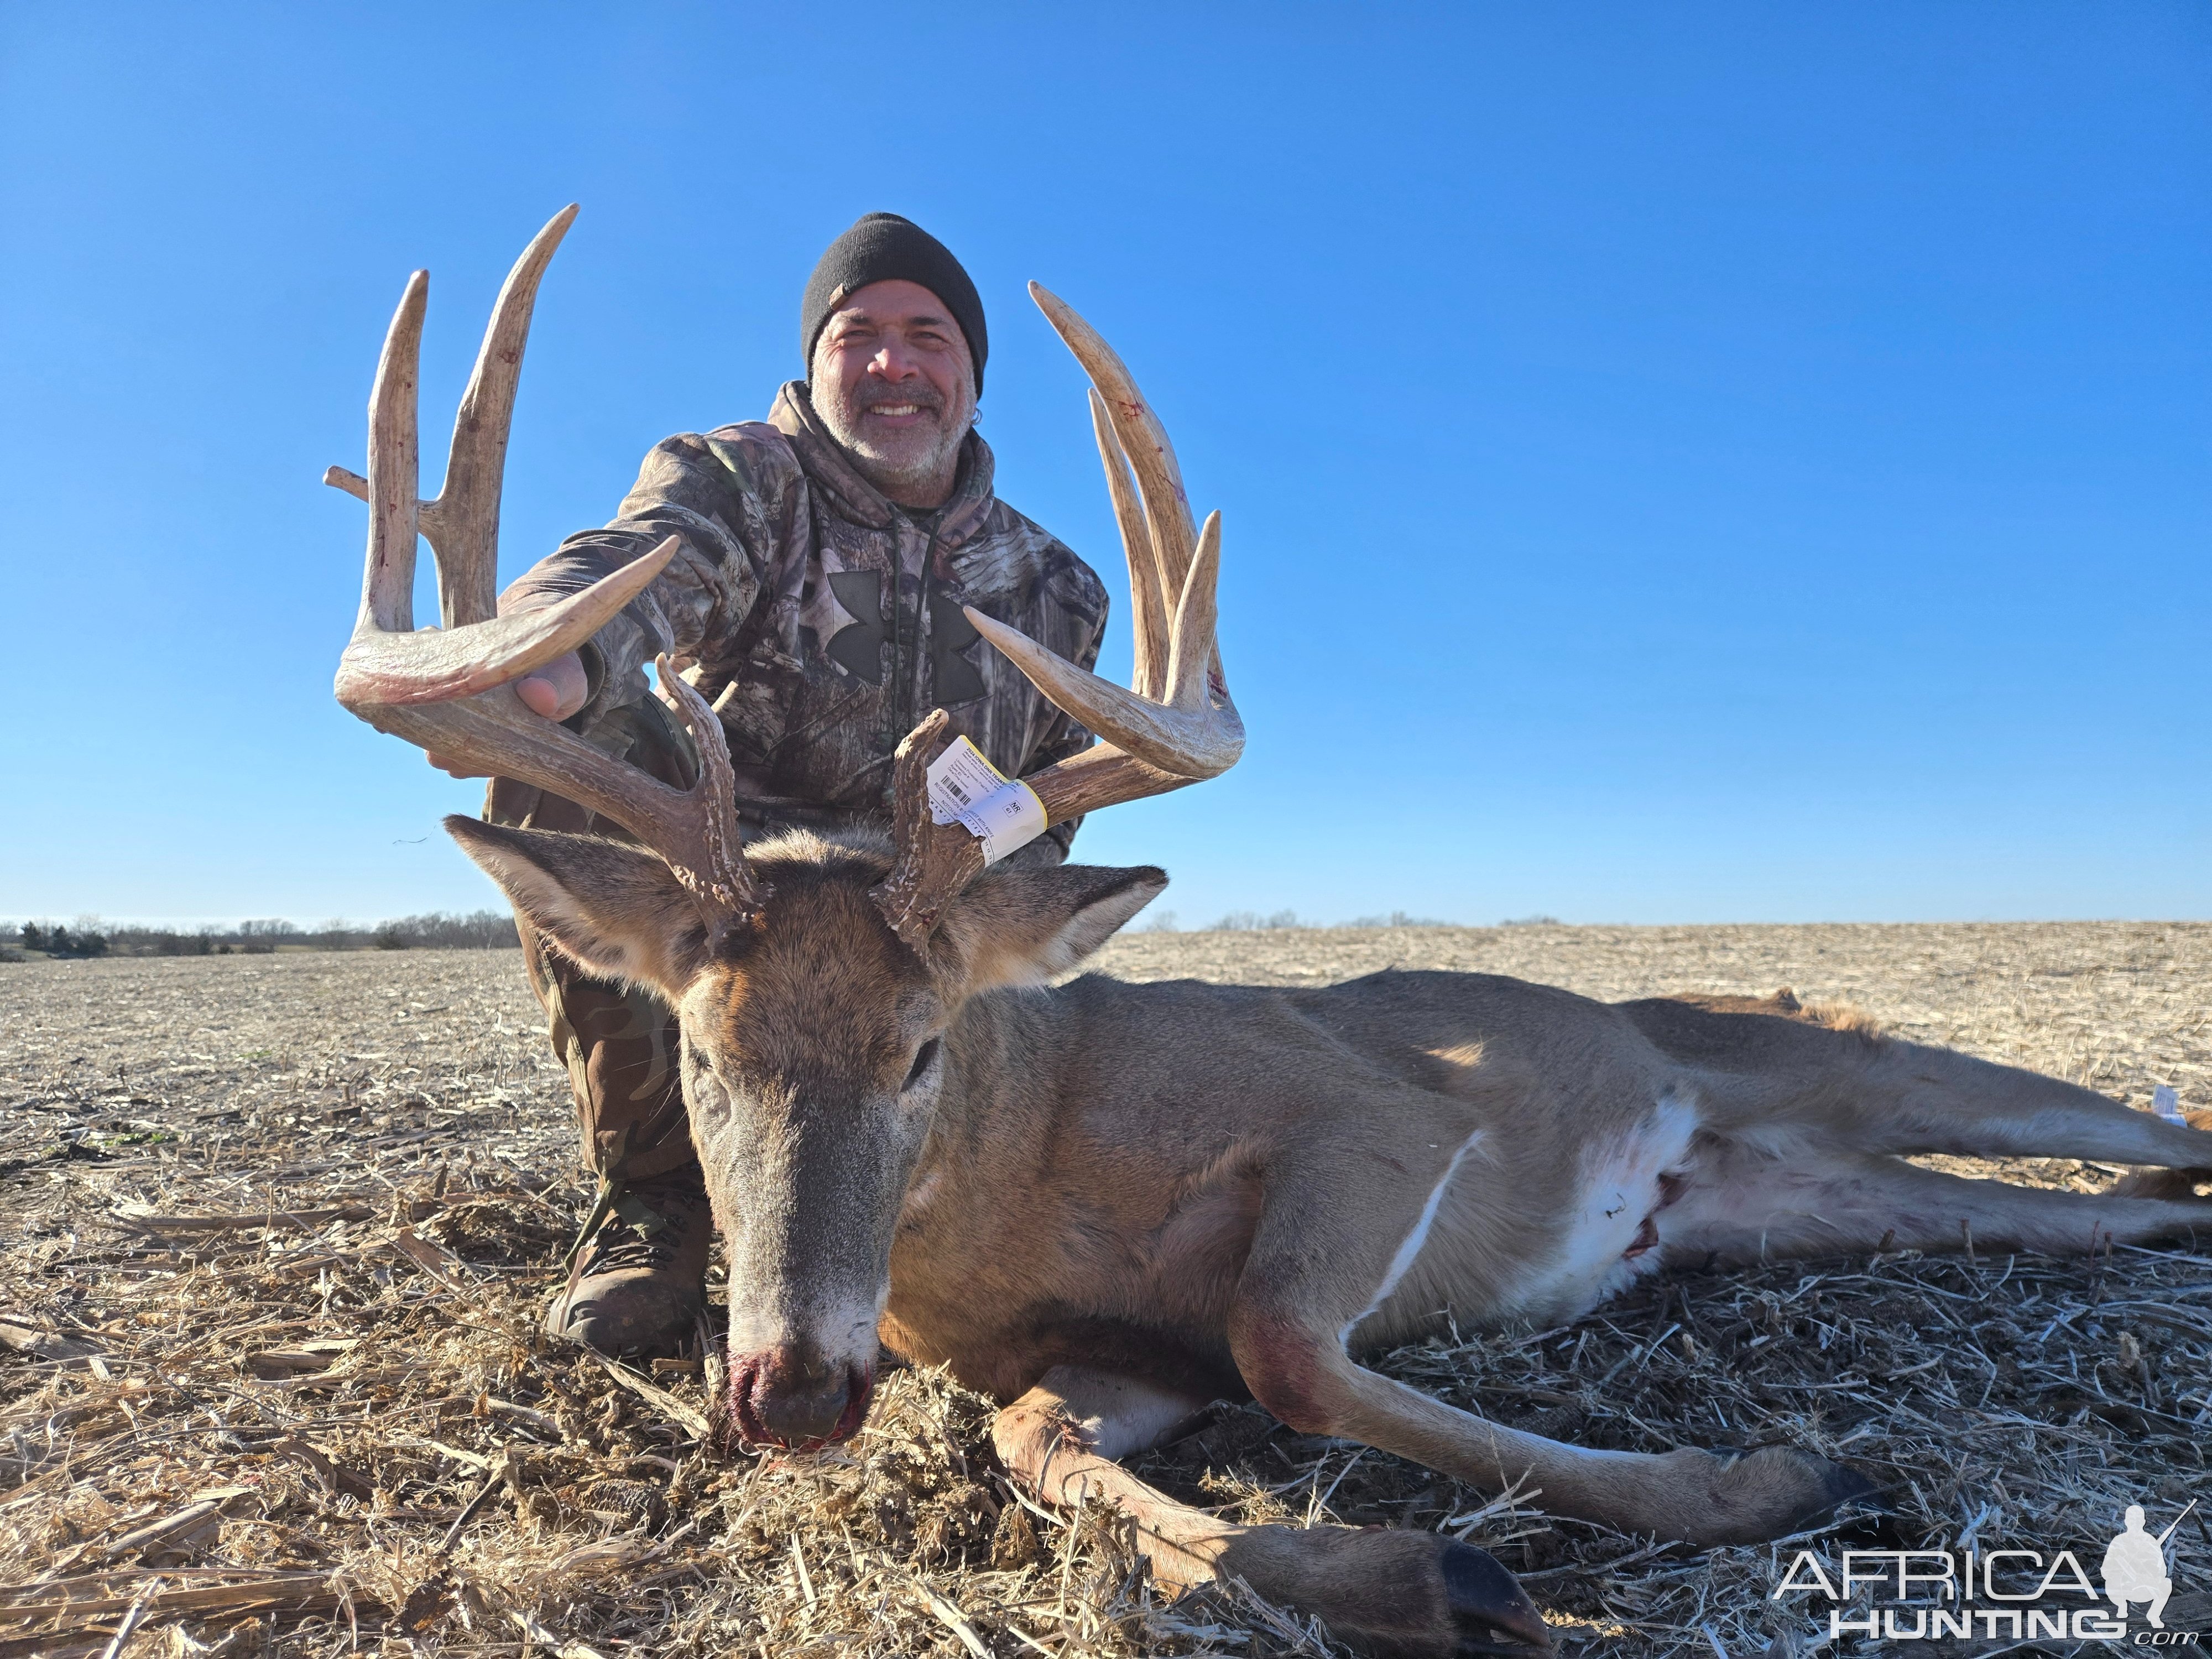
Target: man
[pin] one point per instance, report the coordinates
(2134, 1569)
(825, 554)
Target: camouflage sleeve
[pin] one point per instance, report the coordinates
(722, 504)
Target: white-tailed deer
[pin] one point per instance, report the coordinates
(1107, 1204)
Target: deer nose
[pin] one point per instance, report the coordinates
(799, 1396)
(796, 1396)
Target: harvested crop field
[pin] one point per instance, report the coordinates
(280, 1226)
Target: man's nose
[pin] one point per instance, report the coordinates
(893, 363)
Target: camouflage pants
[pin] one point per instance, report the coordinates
(620, 1047)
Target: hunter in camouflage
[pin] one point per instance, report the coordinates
(825, 554)
(824, 620)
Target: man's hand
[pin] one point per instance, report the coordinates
(555, 691)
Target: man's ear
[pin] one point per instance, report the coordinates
(1024, 927)
(618, 910)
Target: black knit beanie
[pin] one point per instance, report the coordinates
(883, 247)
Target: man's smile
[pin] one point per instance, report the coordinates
(892, 380)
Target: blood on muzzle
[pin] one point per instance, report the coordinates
(794, 1397)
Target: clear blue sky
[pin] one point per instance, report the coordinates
(1684, 463)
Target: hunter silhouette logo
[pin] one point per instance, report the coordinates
(2137, 1568)
(2018, 1595)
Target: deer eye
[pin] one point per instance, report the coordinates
(924, 1058)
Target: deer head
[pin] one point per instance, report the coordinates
(816, 981)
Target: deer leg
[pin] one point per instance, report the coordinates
(1905, 1097)
(1061, 1440)
(1402, 1593)
(1297, 1369)
(1319, 1267)
(1744, 1205)
(1995, 1111)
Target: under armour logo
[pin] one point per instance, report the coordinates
(857, 648)
(953, 677)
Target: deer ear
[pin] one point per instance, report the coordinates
(616, 908)
(1023, 926)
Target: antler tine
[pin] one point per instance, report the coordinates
(386, 662)
(721, 881)
(1143, 438)
(1148, 623)
(1193, 661)
(463, 524)
(934, 861)
(387, 593)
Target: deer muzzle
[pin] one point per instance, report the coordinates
(795, 1397)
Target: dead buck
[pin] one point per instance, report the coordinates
(1107, 1204)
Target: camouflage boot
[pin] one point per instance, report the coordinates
(637, 1271)
(636, 1281)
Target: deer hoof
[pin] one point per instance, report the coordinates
(1490, 1612)
(1392, 1593)
(1843, 1487)
(1776, 1490)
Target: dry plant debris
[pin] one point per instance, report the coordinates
(270, 1381)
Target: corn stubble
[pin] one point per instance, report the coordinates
(271, 1379)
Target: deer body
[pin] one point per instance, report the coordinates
(1107, 1204)
(1105, 1156)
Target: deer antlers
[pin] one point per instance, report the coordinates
(1176, 727)
(441, 690)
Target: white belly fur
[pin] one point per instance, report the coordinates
(1618, 1192)
(1463, 1259)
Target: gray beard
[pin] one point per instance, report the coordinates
(906, 472)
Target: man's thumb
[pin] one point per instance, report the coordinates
(539, 695)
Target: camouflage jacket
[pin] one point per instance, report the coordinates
(782, 588)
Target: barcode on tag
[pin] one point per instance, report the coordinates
(1002, 813)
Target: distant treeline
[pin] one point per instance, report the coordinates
(480, 930)
(1251, 921)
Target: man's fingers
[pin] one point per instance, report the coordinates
(539, 696)
(557, 690)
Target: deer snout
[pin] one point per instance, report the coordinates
(795, 1396)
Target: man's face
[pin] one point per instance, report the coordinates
(892, 381)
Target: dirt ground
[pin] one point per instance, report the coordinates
(278, 1227)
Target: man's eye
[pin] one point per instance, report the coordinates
(922, 1058)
